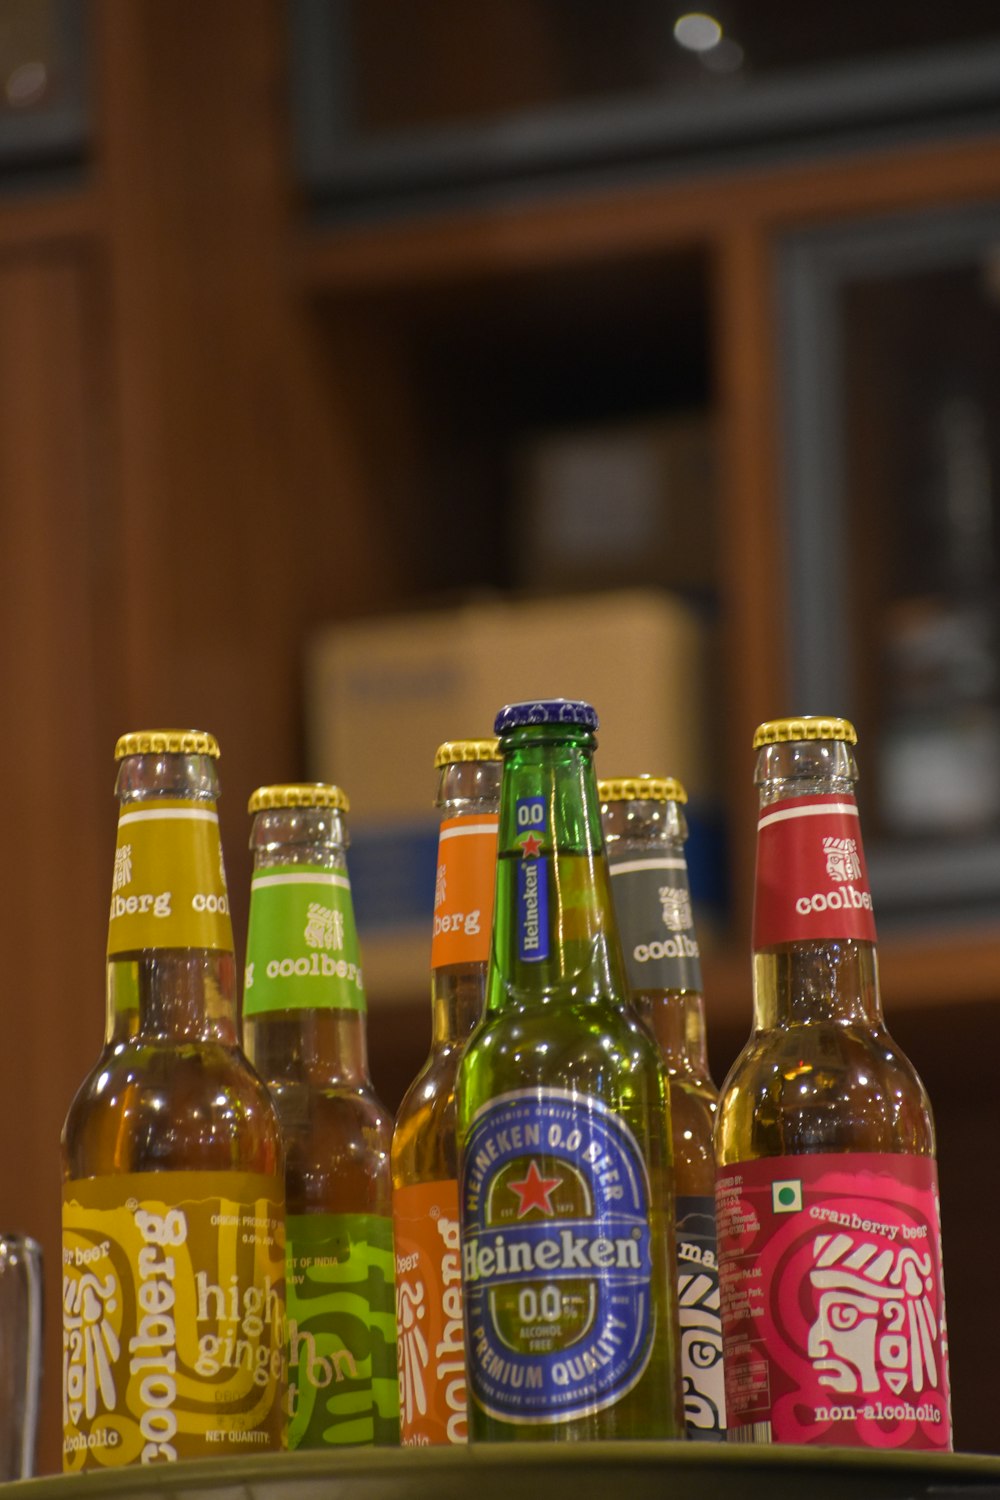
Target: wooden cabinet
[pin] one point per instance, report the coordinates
(221, 425)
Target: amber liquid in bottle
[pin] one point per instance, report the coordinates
(645, 829)
(825, 1142)
(433, 1396)
(173, 1111)
(307, 1037)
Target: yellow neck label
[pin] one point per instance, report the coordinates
(169, 884)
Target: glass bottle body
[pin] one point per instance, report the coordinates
(430, 1324)
(645, 828)
(170, 1141)
(827, 1186)
(561, 1102)
(304, 1026)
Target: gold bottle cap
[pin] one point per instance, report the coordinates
(453, 752)
(781, 731)
(167, 742)
(642, 789)
(299, 794)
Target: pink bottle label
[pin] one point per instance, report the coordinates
(833, 1302)
(811, 876)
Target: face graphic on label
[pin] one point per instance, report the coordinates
(701, 1349)
(875, 1321)
(842, 861)
(676, 904)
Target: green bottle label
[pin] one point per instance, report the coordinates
(343, 1387)
(302, 944)
(169, 883)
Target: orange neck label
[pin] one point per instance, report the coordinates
(173, 1307)
(433, 1400)
(463, 894)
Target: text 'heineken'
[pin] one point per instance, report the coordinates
(565, 1190)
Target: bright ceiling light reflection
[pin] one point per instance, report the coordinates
(697, 31)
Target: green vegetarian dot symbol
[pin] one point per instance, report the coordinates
(786, 1196)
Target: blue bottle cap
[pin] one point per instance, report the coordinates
(549, 711)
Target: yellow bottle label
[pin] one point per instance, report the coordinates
(173, 1317)
(169, 884)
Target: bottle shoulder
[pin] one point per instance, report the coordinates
(822, 1086)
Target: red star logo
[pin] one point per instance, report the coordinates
(531, 846)
(535, 1191)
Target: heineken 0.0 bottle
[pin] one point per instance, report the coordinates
(565, 1189)
(304, 1020)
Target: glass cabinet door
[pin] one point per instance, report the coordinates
(891, 400)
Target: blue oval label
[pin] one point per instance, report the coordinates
(556, 1256)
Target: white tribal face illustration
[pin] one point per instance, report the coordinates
(875, 1320)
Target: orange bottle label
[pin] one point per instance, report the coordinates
(173, 1317)
(463, 894)
(430, 1324)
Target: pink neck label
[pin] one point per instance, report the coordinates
(812, 882)
(833, 1302)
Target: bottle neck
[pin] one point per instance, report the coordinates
(814, 932)
(468, 801)
(677, 1020)
(304, 1003)
(171, 971)
(554, 933)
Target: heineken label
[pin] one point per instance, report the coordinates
(169, 884)
(556, 1257)
(302, 944)
(700, 1320)
(832, 1301)
(653, 906)
(532, 880)
(811, 881)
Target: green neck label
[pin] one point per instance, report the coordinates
(169, 883)
(302, 944)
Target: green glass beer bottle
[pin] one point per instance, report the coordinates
(173, 1191)
(304, 1024)
(565, 1172)
(827, 1201)
(645, 829)
(433, 1404)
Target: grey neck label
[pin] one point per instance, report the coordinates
(653, 906)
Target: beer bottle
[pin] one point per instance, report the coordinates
(645, 830)
(564, 1128)
(173, 1196)
(828, 1215)
(430, 1326)
(304, 1020)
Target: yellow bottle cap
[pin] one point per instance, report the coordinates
(167, 742)
(453, 752)
(642, 789)
(299, 794)
(781, 731)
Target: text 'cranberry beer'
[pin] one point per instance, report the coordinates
(305, 1018)
(827, 1202)
(645, 829)
(173, 1192)
(433, 1401)
(564, 1129)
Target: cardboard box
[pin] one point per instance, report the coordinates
(382, 694)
